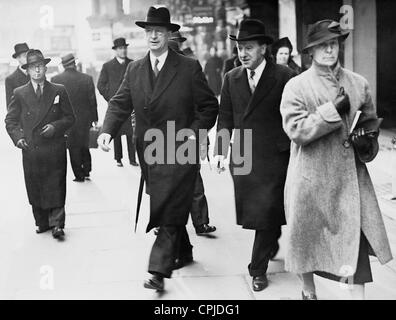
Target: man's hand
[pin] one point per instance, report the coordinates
(219, 161)
(361, 139)
(47, 131)
(104, 141)
(21, 144)
(342, 103)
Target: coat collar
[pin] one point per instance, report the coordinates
(324, 71)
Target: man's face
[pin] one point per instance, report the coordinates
(37, 71)
(251, 54)
(326, 53)
(282, 56)
(157, 39)
(22, 58)
(121, 52)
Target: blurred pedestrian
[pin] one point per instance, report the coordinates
(109, 81)
(81, 90)
(19, 77)
(164, 88)
(332, 211)
(39, 114)
(213, 68)
(282, 53)
(232, 62)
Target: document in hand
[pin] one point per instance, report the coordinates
(369, 125)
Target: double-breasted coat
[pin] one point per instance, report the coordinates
(14, 80)
(81, 90)
(181, 94)
(329, 196)
(44, 162)
(110, 79)
(258, 194)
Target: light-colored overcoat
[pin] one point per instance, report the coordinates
(329, 196)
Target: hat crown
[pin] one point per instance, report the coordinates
(323, 30)
(158, 15)
(68, 59)
(33, 56)
(20, 48)
(251, 27)
(119, 42)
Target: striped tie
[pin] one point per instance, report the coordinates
(155, 69)
(251, 81)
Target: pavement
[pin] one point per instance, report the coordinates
(102, 258)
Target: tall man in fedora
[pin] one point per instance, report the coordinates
(19, 77)
(38, 116)
(164, 89)
(81, 90)
(250, 100)
(109, 81)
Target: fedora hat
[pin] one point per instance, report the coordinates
(119, 42)
(322, 31)
(251, 29)
(283, 42)
(68, 59)
(34, 56)
(158, 17)
(20, 48)
(176, 36)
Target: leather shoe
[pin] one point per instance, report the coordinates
(119, 164)
(309, 296)
(156, 282)
(57, 233)
(259, 283)
(204, 229)
(134, 163)
(183, 261)
(79, 180)
(42, 229)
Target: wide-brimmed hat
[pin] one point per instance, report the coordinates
(20, 48)
(119, 42)
(68, 59)
(158, 17)
(251, 29)
(322, 31)
(34, 56)
(281, 43)
(176, 36)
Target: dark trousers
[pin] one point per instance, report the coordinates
(54, 217)
(118, 148)
(199, 207)
(171, 242)
(264, 242)
(81, 161)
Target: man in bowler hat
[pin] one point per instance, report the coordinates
(250, 100)
(19, 77)
(81, 90)
(110, 79)
(164, 88)
(38, 116)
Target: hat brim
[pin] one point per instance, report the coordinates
(267, 39)
(124, 45)
(181, 39)
(46, 61)
(342, 37)
(171, 26)
(16, 54)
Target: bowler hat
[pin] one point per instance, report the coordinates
(283, 42)
(158, 17)
(119, 42)
(20, 48)
(322, 31)
(251, 29)
(68, 60)
(34, 56)
(176, 36)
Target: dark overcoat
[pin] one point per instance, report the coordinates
(258, 194)
(44, 162)
(13, 81)
(81, 90)
(109, 81)
(182, 95)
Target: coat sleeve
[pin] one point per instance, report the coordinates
(302, 126)
(68, 118)
(103, 83)
(13, 119)
(120, 107)
(9, 91)
(92, 100)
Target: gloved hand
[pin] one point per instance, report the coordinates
(47, 131)
(342, 103)
(22, 144)
(361, 139)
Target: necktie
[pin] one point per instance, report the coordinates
(251, 81)
(38, 92)
(156, 71)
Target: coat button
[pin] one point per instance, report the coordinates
(346, 144)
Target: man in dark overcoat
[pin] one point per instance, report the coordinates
(109, 81)
(250, 100)
(81, 90)
(169, 93)
(38, 116)
(19, 77)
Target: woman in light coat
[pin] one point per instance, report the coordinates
(332, 211)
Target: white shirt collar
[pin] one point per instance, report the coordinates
(257, 72)
(121, 61)
(35, 86)
(161, 58)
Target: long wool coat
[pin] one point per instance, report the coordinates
(329, 196)
(259, 194)
(14, 80)
(181, 94)
(44, 162)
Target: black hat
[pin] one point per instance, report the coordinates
(251, 29)
(68, 60)
(176, 36)
(323, 31)
(34, 56)
(283, 42)
(119, 42)
(20, 48)
(158, 17)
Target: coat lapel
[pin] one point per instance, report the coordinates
(241, 82)
(145, 77)
(49, 94)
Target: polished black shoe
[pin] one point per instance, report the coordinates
(259, 283)
(309, 296)
(183, 261)
(79, 179)
(119, 164)
(87, 175)
(274, 251)
(156, 282)
(156, 231)
(58, 233)
(204, 229)
(42, 229)
(134, 163)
